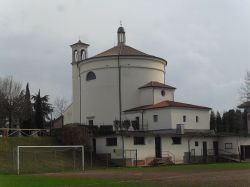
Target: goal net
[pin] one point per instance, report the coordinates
(44, 159)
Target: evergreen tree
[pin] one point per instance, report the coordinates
(219, 122)
(225, 122)
(238, 124)
(27, 110)
(42, 109)
(212, 121)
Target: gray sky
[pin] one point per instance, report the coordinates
(206, 43)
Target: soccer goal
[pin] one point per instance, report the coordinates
(44, 159)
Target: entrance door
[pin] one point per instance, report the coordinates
(158, 147)
(216, 150)
(204, 149)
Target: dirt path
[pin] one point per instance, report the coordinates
(207, 176)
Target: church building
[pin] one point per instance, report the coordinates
(125, 90)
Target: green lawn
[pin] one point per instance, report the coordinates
(41, 181)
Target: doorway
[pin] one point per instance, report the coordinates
(216, 150)
(158, 151)
(204, 151)
(245, 152)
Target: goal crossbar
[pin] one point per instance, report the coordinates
(44, 146)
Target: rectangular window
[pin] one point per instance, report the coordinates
(197, 119)
(155, 118)
(184, 119)
(176, 140)
(139, 140)
(111, 141)
(228, 145)
(196, 143)
(91, 122)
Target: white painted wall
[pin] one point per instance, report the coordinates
(178, 113)
(236, 141)
(100, 97)
(180, 149)
(169, 117)
(67, 115)
(146, 96)
(101, 147)
(75, 95)
(169, 95)
(148, 150)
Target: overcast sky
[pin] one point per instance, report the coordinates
(206, 43)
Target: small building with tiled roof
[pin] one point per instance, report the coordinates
(124, 90)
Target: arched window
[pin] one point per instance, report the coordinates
(90, 76)
(83, 54)
(75, 56)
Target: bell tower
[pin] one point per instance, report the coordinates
(121, 38)
(79, 51)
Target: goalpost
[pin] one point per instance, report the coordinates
(50, 155)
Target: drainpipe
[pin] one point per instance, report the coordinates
(120, 106)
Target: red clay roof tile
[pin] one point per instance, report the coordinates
(156, 84)
(166, 104)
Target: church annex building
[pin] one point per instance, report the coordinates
(125, 90)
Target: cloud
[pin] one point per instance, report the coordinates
(206, 43)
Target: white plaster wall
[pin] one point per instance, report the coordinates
(146, 96)
(179, 149)
(164, 119)
(75, 94)
(169, 95)
(169, 117)
(100, 97)
(67, 115)
(101, 146)
(136, 73)
(148, 150)
(236, 143)
(143, 151)
(178, 113)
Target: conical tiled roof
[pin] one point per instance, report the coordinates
(122, 50)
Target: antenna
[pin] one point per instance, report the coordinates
(120, 23)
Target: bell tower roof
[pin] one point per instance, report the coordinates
(79, 43)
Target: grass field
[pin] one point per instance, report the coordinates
(208, 175)
(205, 175)
(35, 160)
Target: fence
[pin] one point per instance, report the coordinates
(6, 132)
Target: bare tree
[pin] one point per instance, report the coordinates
(245, 88)
(12, 98)
(60, 104)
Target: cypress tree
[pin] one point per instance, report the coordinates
(27, 110)
(219, 122)
(212, 121)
